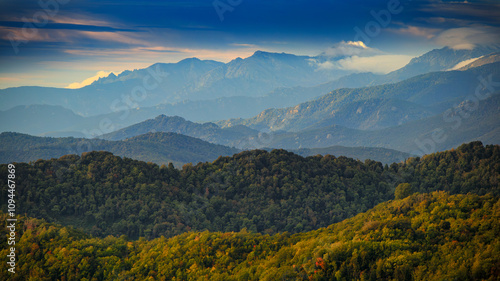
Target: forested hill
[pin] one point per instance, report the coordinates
(266, 192)
(422, 237)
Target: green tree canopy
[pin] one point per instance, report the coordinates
(403, 190)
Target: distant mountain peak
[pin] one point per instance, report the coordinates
(190, 59)
(260, 53)
(264, 54)
(175, 117)
(439, 60)
(106, 79)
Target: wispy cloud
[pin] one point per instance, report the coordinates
(350, 48)
(120, 37)
(375, 64)
(91, 66)
(244, 45)
(64, 26)
(464, 63)
(66, 35)
(357, 57)
(445, 22)
(10, 79)
(80, 19)
(417, 31)
(325, 65)
(10, 33)
(469, 37)
(485, 11)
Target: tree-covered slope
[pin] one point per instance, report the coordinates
(433, 236)
(266, 192)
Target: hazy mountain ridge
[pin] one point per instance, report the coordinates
(189, 79)
(182, 79)
(202, 111)
(204, 79)
(38, 119)
(374, 114)
(438, 60)
(337, 118)
(437, 90)
(207, 131)
(435, 60)
(160, 148)
(415, 137)
(412, 137)
(192, 67)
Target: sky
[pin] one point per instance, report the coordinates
(70, 43)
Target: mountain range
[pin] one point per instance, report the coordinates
(202, 203)
(398, 116)
(189, 79)
(207, 90)
(440, 132)
(412, 99)
(402, 115)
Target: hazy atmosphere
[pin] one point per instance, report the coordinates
(250, 140)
